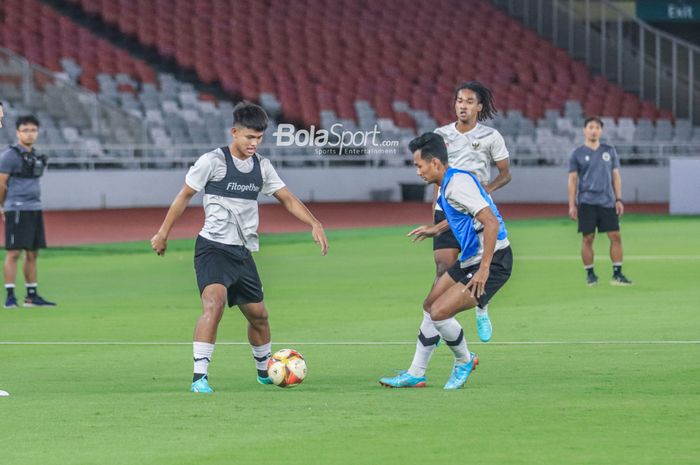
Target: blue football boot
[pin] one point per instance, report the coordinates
(461, 372)
(483, 327)
(403, 380)
(201, 385)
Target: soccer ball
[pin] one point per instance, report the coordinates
(286, 368)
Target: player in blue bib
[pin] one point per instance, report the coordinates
(482, 268)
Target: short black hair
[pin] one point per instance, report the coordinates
(484, 95)
(249, 115)
(26, 119)
(592, 118)
(431, 145)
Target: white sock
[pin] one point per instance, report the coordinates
(202, 356)
(428, 337)
(453, 334)
(262, 354)
(482, 311)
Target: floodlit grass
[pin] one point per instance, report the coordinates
(600, 392)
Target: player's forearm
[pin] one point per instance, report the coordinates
(175, 211)
(294, 206)
(490, 238)
(436, 188)
(499, 181)
(572, 192)
(617, 185)
(3, 193)
(442, 226)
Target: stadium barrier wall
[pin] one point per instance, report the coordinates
(684, 186)
(75, 190)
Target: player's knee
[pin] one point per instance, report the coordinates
(588, 239)
(213, 305)
(441, 268)
(437, 312)
(615, 236)
(12, 255)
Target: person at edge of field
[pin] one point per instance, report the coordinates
(232, 177)
(471, 146)
(2, 115)
(482, 268)
(21, 168)
(595, 198)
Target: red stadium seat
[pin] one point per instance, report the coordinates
(325, 54)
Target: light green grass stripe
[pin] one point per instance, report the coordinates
(627, 257)
(337, 343)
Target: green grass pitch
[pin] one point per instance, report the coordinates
(573, 375)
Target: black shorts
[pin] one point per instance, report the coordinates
(499, 272)
(591, 217)
(230, 265)
(447, 239)
(24, 230)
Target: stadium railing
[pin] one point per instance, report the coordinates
(41, 90)
(641, 59)
(148, 156)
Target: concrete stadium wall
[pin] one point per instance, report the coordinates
(685, 186)
(73, 190)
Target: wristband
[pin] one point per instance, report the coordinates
(619, 200)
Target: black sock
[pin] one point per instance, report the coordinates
(263, 373)
(590, 271)
(617, 269)
(10, 292)
(31, 291)
(198, 376)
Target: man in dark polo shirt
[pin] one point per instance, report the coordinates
(20, 196)
(595, 198)
(2, 114)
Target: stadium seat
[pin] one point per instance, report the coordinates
(329, 61)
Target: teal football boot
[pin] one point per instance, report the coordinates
(404, 380)
(201, 385)
(483, 327)
(461, 372)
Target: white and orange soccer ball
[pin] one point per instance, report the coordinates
(286, 368)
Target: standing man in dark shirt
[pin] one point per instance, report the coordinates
(20, 197)
(595, 198)
(2, 114)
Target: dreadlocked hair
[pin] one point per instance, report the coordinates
(485, 96)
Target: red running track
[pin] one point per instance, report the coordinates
(139, 224)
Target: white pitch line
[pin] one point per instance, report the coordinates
(627, 257)
(349, 343)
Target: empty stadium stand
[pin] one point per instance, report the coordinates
(318, 63)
